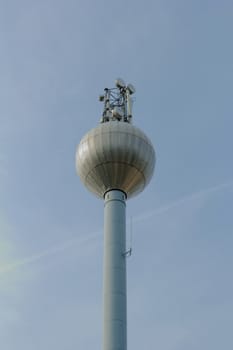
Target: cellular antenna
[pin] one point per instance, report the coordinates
(115, 161)
(117, 102)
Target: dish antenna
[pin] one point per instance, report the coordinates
(120, 83)
(131, 89)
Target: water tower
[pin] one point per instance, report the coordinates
(115, 161)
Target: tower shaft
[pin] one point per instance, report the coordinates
(115, 302)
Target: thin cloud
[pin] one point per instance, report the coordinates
(181, 201)
(48, 252)
(63, 246)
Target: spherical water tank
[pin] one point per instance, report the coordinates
(115, 155)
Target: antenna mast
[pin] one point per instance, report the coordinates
(117, 102)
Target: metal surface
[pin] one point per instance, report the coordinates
(115, 155)
(115, 308)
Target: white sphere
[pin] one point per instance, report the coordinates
(115, 155)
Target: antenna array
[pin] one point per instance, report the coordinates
(117, 102)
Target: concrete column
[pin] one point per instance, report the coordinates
(115, 308)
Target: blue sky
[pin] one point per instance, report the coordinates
(56, 57)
